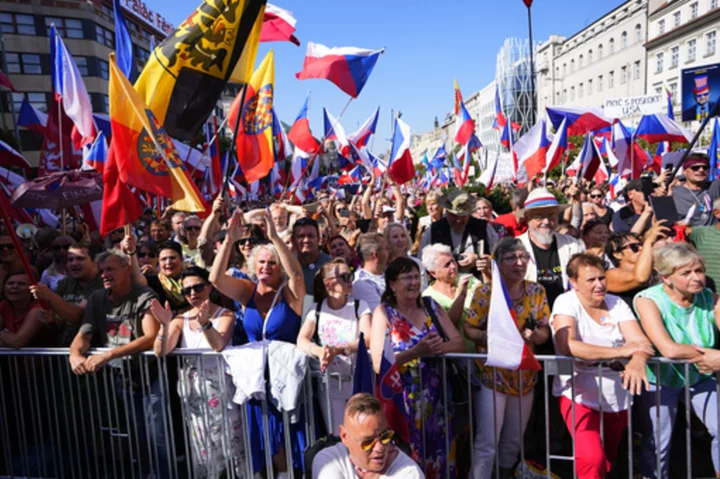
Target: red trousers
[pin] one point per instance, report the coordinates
(592, 461)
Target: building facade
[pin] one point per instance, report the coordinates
(681, 34)
(513, 78)
(603, 61)
(87, 28)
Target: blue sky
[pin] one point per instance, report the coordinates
(428, 44)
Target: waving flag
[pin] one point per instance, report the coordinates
(612, 159)
(5, 81)
(714, 152)
(70, 90)
(284, 148)
(145, 154)
(579, 120)
(390, 391)
(299, 133)
(379, 166)
(254, 143)
(532, 148)
(96, 154)
(400, 165)
(347, 67)
(630, 156)
(438, 159)
(458, 98)
(10, 157)
(277, 179)
(123, 44)
(500, 120)
(32, 118)
(487, 177)
(278, 25)
(558, 147)
(465, 126)
(335, 131)
(216, 173)
(590, 158)
(658, 127)
(186, 74)
(506, 348)
(670, 112)
(361, 137)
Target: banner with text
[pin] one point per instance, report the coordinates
(634, 106)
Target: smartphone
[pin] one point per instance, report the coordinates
(345, 213)
(647, 186)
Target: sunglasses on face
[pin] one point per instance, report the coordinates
(192, 228)
(58, 247)
(147, 255)
(634, 247)
(700, 167)
(248, 241)
(345, 277)
(198, 288)
(8, 246)
(595, 196)
(384, 439)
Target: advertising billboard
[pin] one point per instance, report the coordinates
(700, 91)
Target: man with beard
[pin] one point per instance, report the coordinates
(550, 251)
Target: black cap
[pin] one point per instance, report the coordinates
(634, 185)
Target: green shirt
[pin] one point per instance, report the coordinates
(446, 302)
(694, 326)
(707, 241)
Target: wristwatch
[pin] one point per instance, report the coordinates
(207, 326)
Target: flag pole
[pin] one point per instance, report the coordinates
(704, 124)
(387, 173)
(532, 66)
(234, 139)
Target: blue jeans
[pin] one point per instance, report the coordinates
(703, 400)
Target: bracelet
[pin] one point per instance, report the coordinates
(207, 326)
(160, 338)
(132, 254)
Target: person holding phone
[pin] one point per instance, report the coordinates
(635, 216)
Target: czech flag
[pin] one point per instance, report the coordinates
(32, 118)
(10, 157)
(5, 81)
(579, 120)
(465, 126)
(487, 177)
(658, 127)
(347, 67)
(558, 147)
(390, 392)
(627, 152)
(506, 348)
(254, 143)
(438, 159)
(400, 166)
(670, 112)
(284, 148)
(278, 25)
(379, 166)
(95, 156)
(363, 134)
(532, 148)
(277, 179)
(216, 172)
(299, 133)
(590, 158)
(335, 131)
(500, 119)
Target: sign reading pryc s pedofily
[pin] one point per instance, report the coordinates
(150, 17)
(634, 105)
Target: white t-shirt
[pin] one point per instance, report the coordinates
(334, 463)
(339, 327)
(369, 287)
(587, 381)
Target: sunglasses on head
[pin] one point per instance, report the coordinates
(634, 247)
(345, 277)
(58, 247)
(198, 288)
(384, 439)
(700, 167)
(147, 254)
(8, 246)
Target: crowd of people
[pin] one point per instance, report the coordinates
(286, 290)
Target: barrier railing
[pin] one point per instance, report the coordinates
(174, 417)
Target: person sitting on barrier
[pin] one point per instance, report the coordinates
(330, 333)
(681, 317)
(367, 450)
(414, 333)
(272, 312)
(499, 396)
(206, 326)
(599, 328)
(22, 319)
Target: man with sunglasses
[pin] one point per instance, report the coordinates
(697, 194)
(367, 449)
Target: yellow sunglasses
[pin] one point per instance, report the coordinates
(384, 439)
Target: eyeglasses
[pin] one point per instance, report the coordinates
(8, 246)
(634, 247)
(596, 196)
(523, 258)
(58, 247)
(198, 288)
(700, 167)
(409, 277)
(248, 241)
(543, 216)
(192, 228)
(344, 277)
(147, 255)
(384, 439)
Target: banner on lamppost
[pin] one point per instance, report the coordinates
(700, 91)
(634, 106)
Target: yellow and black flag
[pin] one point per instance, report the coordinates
(185, 75)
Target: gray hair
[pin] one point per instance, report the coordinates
(431, 253)
(122, 257)
(507, 245)
(433, 195)
(672, 256)
(253, 255)
(367, 244)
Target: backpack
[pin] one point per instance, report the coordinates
(316, 334)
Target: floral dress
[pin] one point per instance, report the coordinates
(429, 450)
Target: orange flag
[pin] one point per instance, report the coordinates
(255, 139)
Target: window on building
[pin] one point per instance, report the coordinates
(590, 57)
(623, 40)
(572, 93)
(104, 69)
(581, 60)
(611, 46)
(658, 90)
(611, 79)
(572, 65)
(674, 57)
(673, 91)
(659, 57)
(66, 27)
(623, 75)
(16, 23)
(36, 99)
(104, 36)
(661, 27)
(638, 33)
(693, 10)
(581, 89)
(564, 69)
(692, 50)
(600, 83)
(590, 87)
(141, 56)
(26, 63)
(106, 11)
(676, 19)
(713, 4)
(600, 51)
(82, 64)
(710, 43)
(106, 104)
(637, 70)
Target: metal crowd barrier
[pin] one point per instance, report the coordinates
(136, 419)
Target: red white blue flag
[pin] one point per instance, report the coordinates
(300, 134)
(390, 391)
(363, 134)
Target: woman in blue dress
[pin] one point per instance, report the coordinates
(273, 300)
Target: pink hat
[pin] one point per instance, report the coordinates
(701, 84)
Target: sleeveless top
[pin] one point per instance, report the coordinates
(281, 323)
(194, 339)
(694, 326)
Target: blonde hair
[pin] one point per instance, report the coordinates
(388, 229)
(433, 195)
(269, 247)
(672, 256)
